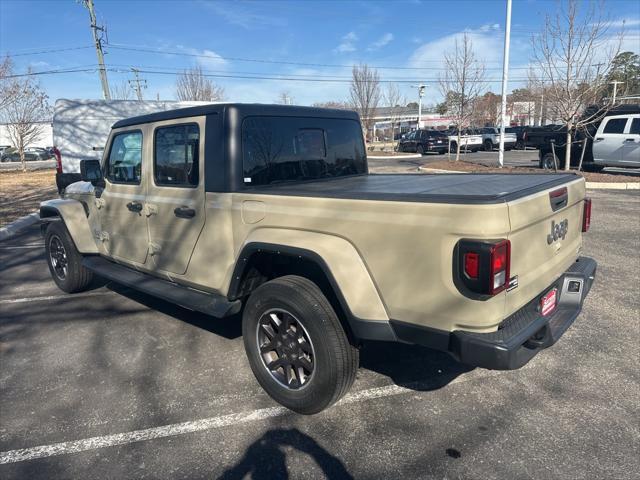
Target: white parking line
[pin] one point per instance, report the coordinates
(54, 297)
(93, 443)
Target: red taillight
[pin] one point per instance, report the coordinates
(482, 266)
(586, 215)
(56, 152)
(471, 264)
(500, 260)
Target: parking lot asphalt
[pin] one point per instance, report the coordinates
(112, 383)
(35, 165)
(513, 158)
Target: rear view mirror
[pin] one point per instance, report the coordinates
(90, 171)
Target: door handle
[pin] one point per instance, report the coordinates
(134, 207)
(598, 139)
(184, 212)
(630, 140)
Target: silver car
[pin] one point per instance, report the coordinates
(617, 141)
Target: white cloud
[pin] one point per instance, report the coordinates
(382, 41)
(489, 27)
(624, 22)
(207, 59)
(347, 44)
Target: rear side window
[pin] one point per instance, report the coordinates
(635, 127)
(615, 125)
(125, 158)
(175, 155)
(282, 149)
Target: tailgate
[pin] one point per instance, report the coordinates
(536, 258)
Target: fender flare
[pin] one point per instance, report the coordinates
(342, 266)
(74, 216)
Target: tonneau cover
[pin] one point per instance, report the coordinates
(440, 188)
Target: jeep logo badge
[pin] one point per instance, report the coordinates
(558, 231)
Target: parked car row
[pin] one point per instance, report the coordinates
(31, 154)
(439, 141)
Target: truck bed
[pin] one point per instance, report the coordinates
(471, 188)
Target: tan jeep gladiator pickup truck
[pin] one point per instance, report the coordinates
(271, 210)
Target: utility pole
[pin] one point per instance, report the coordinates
(140, 83)
(505, 78)
(421, 89)
(98, 43)
(615, 90)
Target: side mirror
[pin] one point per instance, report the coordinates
(90, 171)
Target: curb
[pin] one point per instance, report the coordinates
(614, 186)
(590, 185)
(394, 157)
(19, 224)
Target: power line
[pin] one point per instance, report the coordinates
(53, 50)
(277, 62)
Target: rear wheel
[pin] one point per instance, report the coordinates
(65, 262)
(520, 145)
(488, 146)
(296, 346)
(546, 162)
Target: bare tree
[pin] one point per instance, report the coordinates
(394, 101)
(486, 110)
(574, 56)
(365, 94)
(192, 84)
(462, 83)
(9, 86)
(121, 91)
(333, 104)
(26, 115)
(285, 98)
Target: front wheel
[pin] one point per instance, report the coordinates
(65, 262)
(420, 150)
(488, 146)
(296, 346)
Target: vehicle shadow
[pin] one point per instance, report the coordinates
(266, 457)
(411, 366)
(230, 327)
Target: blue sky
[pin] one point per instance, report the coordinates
(240, 39)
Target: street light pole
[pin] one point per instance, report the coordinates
(615, 90)
(505, 78)
(421, 89)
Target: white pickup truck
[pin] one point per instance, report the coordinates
(491, 138)
(468, 139)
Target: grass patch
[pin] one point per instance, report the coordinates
(22, 192)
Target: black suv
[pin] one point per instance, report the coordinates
(422, 141)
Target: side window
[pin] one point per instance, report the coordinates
(615, 125)
(124, 164)
(635, 127)
(175, 155)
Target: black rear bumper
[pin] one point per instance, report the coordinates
(520, 336)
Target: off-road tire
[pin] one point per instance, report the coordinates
(76, 278)
(335, 360)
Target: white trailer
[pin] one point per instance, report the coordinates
(81, 128)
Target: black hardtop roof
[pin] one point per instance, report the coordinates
(243, 109)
